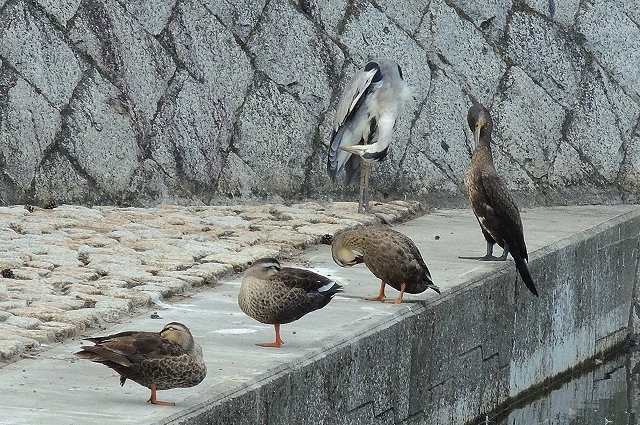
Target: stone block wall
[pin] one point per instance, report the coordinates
(137, 102)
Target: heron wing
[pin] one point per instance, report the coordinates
(344, 133)
(351, 97)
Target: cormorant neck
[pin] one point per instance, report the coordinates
(483, 150)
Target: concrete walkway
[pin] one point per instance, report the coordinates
(55, 388)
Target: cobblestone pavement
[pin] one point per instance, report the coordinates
(71, 269)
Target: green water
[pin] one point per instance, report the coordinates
(608, 393)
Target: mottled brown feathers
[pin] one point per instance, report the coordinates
(390, 255)
(275, 295)
(168, 359)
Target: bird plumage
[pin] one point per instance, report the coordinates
(365, 118)
(390, 255)
(491, 199)
(157, 360)
(278, 295)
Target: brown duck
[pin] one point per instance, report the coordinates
(390, 255)
(491, 199)
(156, 360)
(277, 295)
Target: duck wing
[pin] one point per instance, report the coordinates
(305, 279)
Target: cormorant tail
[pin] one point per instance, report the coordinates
(521, 265)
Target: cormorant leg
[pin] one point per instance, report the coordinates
(490, 256)
(398, 300)
(505, 252)
(381, 296)
(278, 342)
(154, 400)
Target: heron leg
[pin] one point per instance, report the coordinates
(363, 206)
(367, 171)
(361, 200)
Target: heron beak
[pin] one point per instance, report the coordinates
(357, 149)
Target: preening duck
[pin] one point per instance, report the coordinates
(390, 255)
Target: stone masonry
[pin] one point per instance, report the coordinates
(203, 102)
(70, 270)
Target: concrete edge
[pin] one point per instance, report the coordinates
(481, 287)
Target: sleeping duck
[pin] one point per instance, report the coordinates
(277, 295)
(156, 360)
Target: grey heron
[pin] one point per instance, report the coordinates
(364, 122)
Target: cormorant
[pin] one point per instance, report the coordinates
(491, 199)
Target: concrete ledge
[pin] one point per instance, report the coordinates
(431, 360)
(449, 360)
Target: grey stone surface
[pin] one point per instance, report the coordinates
(491, 16)
(210, 53)
(62, 10)
(240, 17)
(133, 60)
(296, 56)
(271, 119)
(461, 51)
(76, 267)
(532, 138)
(27, 129)
(153, 15)
(441, 154)
(201, 98)
(441, 359)
(38, 51)
(95, 114)
(614, 39)
(562, 12)
(191, 135)
(326, 13)
(559, 62)
(596, 118)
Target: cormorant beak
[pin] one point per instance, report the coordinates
(476, 135)
(476, 132)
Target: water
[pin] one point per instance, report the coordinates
(606, 393)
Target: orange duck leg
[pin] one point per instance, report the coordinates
(381, 296)
(278, 342)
